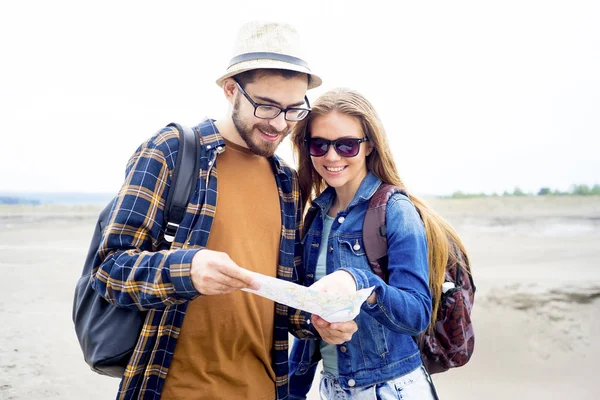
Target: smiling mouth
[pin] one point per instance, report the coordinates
(270, 136)
(335, 169)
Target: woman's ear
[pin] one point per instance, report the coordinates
(370, 148)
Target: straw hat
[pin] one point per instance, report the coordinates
(268, 45)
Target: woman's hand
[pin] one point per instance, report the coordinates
(336, 332)
(338, 282)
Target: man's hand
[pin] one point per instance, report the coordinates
(213, 272)
(338, 282)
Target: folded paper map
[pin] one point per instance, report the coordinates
(330, 307)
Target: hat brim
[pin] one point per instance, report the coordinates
(249, 65)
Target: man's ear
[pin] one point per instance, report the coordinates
(229, 89)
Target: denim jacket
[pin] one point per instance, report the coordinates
(383, 347)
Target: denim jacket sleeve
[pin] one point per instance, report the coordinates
(129, 272)
(404, 304)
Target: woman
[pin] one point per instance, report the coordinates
(343, 157)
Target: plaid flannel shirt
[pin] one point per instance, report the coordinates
(131, 272)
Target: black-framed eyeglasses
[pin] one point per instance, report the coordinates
(345, 147)
(267, 111)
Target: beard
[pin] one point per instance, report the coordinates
(255, 144)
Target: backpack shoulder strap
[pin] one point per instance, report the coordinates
(183, 181)
(375, 231)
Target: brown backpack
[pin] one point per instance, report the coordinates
(450, 342)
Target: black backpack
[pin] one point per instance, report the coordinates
(108, 334)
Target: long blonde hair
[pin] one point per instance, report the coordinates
(380, 162)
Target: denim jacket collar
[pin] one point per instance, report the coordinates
(365, 191)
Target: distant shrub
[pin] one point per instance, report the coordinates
(518, 192)
(576, 190)
(462, 195)
(585, 190)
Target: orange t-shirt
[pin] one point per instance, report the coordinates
(224, 347)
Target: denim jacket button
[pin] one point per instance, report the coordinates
(330, 249)
(341, 219)
(351, 382)
(356, 247)
(343, 349)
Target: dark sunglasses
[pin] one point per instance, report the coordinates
(345, 147)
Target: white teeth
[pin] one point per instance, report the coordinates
(334, 169)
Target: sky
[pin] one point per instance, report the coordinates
(475, 96)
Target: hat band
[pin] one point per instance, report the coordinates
(268, 56)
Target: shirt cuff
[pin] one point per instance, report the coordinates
(180, 266)
(361, 279)
(303, 327)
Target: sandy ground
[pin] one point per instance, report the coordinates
(535, 262)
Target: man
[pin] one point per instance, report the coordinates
(204, 338)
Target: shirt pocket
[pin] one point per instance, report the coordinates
(352, 251)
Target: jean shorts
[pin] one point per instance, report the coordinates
(414, 385)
